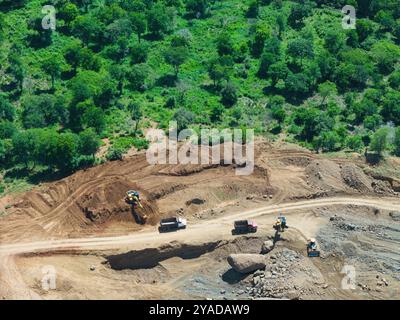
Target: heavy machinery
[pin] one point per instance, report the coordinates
(133, 199)
(280, 224)
(312, 248)
(244, 226)
(172, 224)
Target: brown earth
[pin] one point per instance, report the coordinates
(90, 204)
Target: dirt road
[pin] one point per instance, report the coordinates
(194, 232)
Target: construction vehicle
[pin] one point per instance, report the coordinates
(132, 198)
(244, 226)
(172, 224)
(312, 248)
(280, 224)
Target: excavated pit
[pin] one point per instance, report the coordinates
(151, 257)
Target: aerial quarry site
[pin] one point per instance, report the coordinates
(104, 246)
(179, 153)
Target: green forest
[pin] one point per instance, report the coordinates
(112, 68)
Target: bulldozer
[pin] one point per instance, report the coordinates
(132, 198)
(312, 248)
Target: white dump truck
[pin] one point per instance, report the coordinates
(172, 224)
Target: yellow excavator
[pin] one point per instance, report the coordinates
(133, 198)
(280, 224)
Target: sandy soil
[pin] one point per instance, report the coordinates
(77, 224)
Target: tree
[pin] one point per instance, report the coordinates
(89, 142)
(88, 29)
(136, 114)
(252, 11)
(160, 19)
(139, 24)
(7, 129)
(119, 73)
(7, 110)
(262, 33)
(23, 147)
(394, 80)
(301, 49)
(327, 141)
(198, 8)
(397, 142)
(183, 118)
(267, 59)
(137, 76)
(297, 84)
(326, 89)
(229, 95)
(391, 107)
(364, 28)
(379, 141)
(176, 56)
(91, 116)
(139, 53)
(386, 55)
(64, 151)
(298, 13)
(216, 113)
(335, 40)
(220, 68)
(354, 143)
(53, 65)
(16, 69)
(86, 85)
(224, 44)
(39, 111)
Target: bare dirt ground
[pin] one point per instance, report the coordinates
(82, 227)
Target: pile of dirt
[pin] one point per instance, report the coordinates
(356, 179)
(331, 177)
(324, 175)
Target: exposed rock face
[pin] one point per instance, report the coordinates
(267, 246)
(246, 263)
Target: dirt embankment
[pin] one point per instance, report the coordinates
(91, 201)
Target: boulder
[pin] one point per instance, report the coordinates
(395, 216)
(267, 246)
(246, 263)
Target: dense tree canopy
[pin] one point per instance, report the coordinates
(112, 68)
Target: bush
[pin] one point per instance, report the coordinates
(114, 154)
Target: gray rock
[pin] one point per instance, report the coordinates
(267, 246)
(246, 263)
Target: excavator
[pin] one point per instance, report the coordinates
(280, 224)
(132, 198)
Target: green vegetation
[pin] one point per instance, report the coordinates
(112, 66)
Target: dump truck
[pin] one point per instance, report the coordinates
(244, 226)
(312, 248)
(172, 224)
